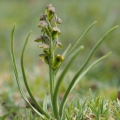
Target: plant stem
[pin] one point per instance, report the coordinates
(52, 75)
(51, 71)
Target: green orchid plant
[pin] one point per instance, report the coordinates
(49, 42)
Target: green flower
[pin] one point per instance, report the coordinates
(58, 60)
(59, 44)
(43, 24)
(43, 39)
(43, 17)
(44, 58)
(58, 20)
(44, 46)
(55, 32)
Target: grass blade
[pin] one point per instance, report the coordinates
(66, 51)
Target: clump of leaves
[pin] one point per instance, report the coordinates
(49, 42)
(93, 109)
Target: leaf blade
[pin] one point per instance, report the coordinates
(25, 79)
(76, 81)
(89, 28)
(16, 73)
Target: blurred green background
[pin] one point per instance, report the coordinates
(76, 15)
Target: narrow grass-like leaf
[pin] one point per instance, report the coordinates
(101, 106)
(66, 51)
(17, 76)
(80, 38)
(97, 102)
(77, 80)
(93, 107)
(25, 79)
(80, 114)
(116, 112)
(107, 107)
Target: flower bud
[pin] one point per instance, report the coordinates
(54, 43)
(43, 24)
(53, 22)
(46, 51)
(39, 39)
(59, 58)
(55, 32)
(44, 58)
(43, 17)
(43, 39)
(58, 21)
(47, 31)
(44, 46)
(59, 44)
(57, 62)
(50, 11)
(46, 39)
